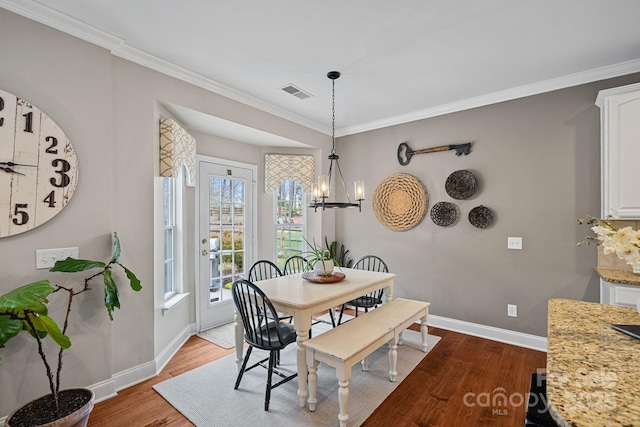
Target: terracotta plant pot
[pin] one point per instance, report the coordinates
(32, 410)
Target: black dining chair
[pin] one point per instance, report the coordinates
(298, 264)
(265, 269)
(295, 264)
(261, 331)
(370, 300)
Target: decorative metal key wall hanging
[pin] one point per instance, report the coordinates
(405, 153)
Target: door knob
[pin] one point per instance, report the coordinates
(205, 252)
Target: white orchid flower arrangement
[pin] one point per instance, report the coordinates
(624, 242)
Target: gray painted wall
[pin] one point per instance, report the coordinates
(110, 109)
(538, 159)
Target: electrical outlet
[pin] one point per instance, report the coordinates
(514, 242)
(46, 258)
(512, 310)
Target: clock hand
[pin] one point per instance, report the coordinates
(16, 164)
(9, 170)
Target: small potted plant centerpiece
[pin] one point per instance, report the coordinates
(319, 259)
(26, 309)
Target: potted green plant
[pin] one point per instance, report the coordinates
(26, 309)
(319, 259)
(343, 258)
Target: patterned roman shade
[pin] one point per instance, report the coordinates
(177, 148)
(280, 167)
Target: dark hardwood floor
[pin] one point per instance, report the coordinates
(464, 381)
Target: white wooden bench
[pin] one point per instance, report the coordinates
(347, 344)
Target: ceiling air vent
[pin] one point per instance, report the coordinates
(296, 91)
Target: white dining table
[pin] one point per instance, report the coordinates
(292, 294)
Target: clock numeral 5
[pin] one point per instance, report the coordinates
(22, 217)
(64, 178)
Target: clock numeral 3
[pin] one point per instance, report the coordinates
(22, 217)
(64, 178)
(1, 108)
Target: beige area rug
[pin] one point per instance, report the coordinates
(222, 336)
(206, 396)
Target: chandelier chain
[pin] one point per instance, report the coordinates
(333, 117)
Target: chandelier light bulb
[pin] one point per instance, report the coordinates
(359, 190)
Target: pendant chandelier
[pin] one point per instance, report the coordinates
(320, 190)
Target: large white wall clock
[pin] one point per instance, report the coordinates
(38, 166)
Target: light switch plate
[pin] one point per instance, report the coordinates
(514, 242)
(46, 258)
(512, 310)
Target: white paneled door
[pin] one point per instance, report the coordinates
(225, 230)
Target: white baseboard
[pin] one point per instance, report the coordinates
(107, 389)
(520, 339)
(169, 351)
(121, 380)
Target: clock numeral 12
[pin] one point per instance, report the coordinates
(22, 217)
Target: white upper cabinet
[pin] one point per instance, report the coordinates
(620, 156)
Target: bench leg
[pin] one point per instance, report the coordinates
(313, 381)
(393, 360)
(423, 331)
(343, 401)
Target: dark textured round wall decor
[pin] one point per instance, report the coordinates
(481, 216)
(461, 184)
(444, 213)
(399, 202)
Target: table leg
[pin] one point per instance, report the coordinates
(239, 332)
(389, 293)
(303, 335)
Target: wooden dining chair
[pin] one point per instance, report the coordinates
(370, 300)
(265, 269)
(261, 331)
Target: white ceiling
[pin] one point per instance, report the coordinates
(400, 60)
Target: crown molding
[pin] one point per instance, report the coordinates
(576, 79)
(147, 60)
(51, 18)
(119, 48)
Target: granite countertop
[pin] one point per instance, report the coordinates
(593, 371)
(619, 276)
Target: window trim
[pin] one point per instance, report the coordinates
(179, 294)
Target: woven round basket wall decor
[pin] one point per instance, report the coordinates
(444, 214)
(481, 216)
(461, 184)
(399, 202)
